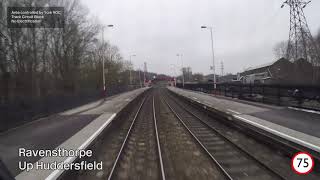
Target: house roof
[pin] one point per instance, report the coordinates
(261, 66)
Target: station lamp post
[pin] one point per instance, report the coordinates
(213, 64)
(173, 67)
(140, 77)
(103, 61)
(130, 57)
(180, 55)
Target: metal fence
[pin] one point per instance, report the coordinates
(23, 110)
(297, 96)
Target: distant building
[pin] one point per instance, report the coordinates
(220, 79)
(227, 78)
(281, 71)
(187, 72)
(210, 77)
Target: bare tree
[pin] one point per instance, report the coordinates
(49, 61)
(280, 50)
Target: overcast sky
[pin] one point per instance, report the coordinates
(245, 31)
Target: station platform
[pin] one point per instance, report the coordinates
(296, 125)
(73, 129)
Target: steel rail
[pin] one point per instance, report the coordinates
(229, 141)
(225, 173)
(158, 140)
(125, 141)
(294, 147)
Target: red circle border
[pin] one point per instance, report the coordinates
(299, 173)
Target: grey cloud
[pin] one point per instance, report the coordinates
(244, 31)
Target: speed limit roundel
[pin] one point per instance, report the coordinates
(302, 163)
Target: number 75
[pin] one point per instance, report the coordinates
(304, 160)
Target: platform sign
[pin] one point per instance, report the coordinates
(302, 163)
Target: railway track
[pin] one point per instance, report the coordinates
(183, 158)
(232, 160)
(267, 156)
(159, 148)
(140, 154)
(165, 137)
(170, 153)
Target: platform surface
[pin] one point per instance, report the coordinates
(295, 125)
(69, 129)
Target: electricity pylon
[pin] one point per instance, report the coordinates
(222, 68)
(301, 43)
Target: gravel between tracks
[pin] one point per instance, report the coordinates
(269, 156)
(183, 158)
(140, 157)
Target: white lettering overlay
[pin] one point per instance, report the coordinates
(60, 152)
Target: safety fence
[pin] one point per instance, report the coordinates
(297, 96)
(26, 109)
